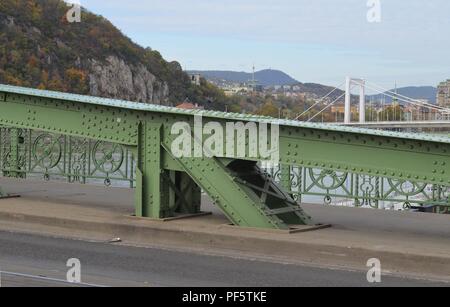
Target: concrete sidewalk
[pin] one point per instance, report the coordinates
(408, 244)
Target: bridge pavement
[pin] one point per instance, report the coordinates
(408, 244)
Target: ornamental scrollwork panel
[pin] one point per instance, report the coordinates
(54, 156)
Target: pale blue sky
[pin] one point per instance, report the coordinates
(312, 40)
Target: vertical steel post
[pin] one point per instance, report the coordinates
(14, 153)
(157, 190)
(285, 171)
(13, 159)
(148, 199)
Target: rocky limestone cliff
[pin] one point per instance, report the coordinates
(117, 79)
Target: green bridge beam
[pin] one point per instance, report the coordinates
(237, 185)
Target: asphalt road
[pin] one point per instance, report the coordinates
(41, 261)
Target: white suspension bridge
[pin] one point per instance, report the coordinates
(438, 116)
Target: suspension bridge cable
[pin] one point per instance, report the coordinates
(414, 101)
(329, 105)
(319, 101)
(410, 101)
(405, 97)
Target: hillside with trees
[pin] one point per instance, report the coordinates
(39, 48)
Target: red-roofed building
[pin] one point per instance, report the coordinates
(189, 106)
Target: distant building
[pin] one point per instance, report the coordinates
(230, 91)
(443, 94)
(195, 79)
(189, 106)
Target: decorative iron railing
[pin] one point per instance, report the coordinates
(34, 153)
(330, 187)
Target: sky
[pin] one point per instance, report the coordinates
(320, 41)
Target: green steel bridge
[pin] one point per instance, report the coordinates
(86, 139)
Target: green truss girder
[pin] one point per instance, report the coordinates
(166, 185)
(244, 203)
(390, 157)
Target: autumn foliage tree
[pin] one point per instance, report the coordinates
(39, 48)
(269, 109)
(76, 79)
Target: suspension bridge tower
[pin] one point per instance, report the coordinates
(349, 83)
